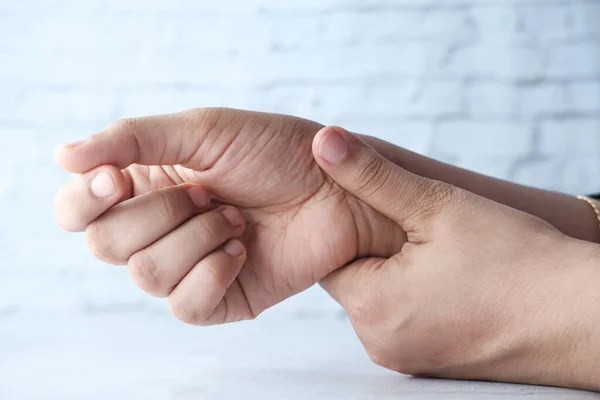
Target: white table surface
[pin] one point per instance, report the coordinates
(154, 357)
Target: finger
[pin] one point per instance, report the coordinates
(156, 140)
(136, 223)
(400, 195)
(158, 268)
(199, 298)
(86, 197)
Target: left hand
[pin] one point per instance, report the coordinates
(152, 210)
(479, 291)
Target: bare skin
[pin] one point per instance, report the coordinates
(299, 226)
(571, 216)
(479, 291)
(436, 280)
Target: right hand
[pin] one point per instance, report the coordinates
(479, 290)
(300, 226)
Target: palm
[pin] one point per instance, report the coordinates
(301, 225)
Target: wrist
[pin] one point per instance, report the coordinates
(577, 329)
(586, 310)
(555, 338)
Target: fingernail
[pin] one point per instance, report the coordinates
(199, 196)
(233, 215)
(102, 185)
(333, 148)
(234, 248)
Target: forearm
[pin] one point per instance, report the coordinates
(571, 216)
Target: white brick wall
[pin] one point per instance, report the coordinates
(507, 87)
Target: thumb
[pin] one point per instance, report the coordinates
(396, 193)
(155, 140)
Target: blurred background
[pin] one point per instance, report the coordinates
(509, 88)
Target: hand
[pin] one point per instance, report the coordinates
(155, 214)
(479, 290)
(568, 214)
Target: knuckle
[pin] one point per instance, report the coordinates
(207, 119)
(448, 195)
(130, 127)
(124, 124)
(222, 223)
(101, 244)
(145, 273)
(206, 114)
(203, 230)
(372, 177)
(218, 276)
(436, 197)
(212, 227)
(169, 209)
(186, 314)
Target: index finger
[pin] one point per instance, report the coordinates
(88, 196)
